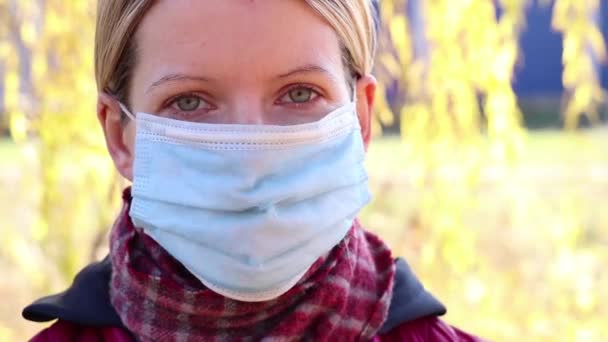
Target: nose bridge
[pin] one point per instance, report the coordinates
(246, 108)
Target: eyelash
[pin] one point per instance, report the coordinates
(171, 102)
(316, 95)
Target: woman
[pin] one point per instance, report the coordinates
(243, 126)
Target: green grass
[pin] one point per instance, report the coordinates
(541, 147)
(587, 146)
(9, 153)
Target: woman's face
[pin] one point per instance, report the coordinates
(233, 61)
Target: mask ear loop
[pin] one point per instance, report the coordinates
(123, 108)
(354, 102)
(126, 111)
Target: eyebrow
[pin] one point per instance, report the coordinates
(305, 69)
(177, 77)
(308, 69)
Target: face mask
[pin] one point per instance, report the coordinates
(247, 209)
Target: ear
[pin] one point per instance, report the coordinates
(366, 93)
(120, 136)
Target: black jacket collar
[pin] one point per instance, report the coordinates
(87, 301)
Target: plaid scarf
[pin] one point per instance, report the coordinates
(343, 296)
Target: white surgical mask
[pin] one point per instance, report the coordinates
(248, 209)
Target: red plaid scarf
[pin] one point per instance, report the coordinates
(344, 296)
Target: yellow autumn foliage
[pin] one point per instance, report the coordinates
(53, 113)
(584, 49)
(449, 192)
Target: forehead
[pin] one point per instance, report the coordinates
(230, 37)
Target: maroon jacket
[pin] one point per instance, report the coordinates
(84, 312)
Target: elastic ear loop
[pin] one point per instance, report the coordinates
(126, 111)
(355, 101)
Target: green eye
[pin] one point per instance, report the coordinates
(188, 103)
(301, 95)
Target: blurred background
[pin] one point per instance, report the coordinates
(489, 166)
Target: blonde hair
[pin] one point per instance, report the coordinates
(117, 22)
